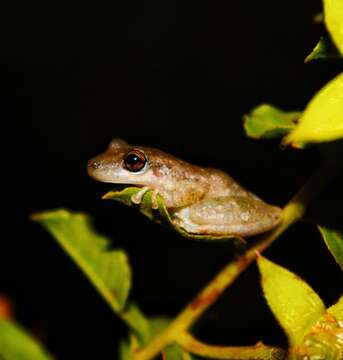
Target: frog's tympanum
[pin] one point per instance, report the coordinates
(200, 200)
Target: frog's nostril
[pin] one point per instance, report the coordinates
(94, 167)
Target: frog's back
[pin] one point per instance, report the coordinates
(222, 184)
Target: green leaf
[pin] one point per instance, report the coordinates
(17, 344)
(322, 120)
(108, 270)
(295, 305)
(133, 317)
(161, 215)
(334, 241)
(158, 324)
(324, 50)
(128, 347)
(333, 15)
(175, 352)
(267, 122)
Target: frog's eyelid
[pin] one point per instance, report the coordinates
(117, 143)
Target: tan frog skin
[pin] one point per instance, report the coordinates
(200, 200)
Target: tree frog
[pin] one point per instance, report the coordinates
(200, 200)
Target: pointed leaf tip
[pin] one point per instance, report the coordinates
(334, 241)
(324, 50)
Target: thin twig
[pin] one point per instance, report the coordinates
(259, 351)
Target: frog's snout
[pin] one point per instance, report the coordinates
(94, 167)
(99, 168)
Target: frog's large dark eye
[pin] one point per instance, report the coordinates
(135, 160)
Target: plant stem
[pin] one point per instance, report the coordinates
(259, 351)
(292, 212)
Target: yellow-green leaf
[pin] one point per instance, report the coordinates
(17, 344)
(267, 122)
(324, 50)
(294, 304)
(108, 270)
(333, 15)
(336, 310)
(162, 216)
(334, 241)
(322, 120)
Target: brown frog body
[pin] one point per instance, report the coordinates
(200, 200)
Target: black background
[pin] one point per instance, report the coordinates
(177, 75)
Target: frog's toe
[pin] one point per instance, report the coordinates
(154, 202)
(138, 196)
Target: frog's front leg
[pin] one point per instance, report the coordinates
(138, 196)
(228, 215)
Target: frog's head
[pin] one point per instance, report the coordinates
(122, 163)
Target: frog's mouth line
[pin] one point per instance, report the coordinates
(115, 187)
(119, 187)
